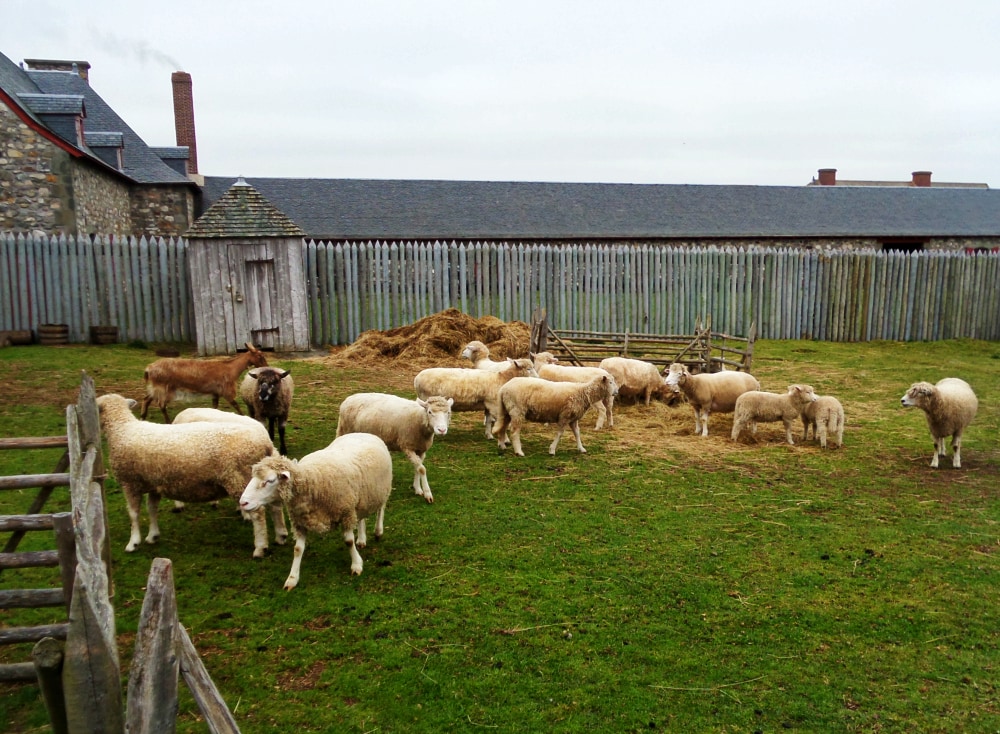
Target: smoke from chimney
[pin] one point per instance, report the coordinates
(184, 116)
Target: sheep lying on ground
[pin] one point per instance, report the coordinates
(950, 406)
(338, 486)
(192, 462)
(267, 392)
(755, 407)
(826, 416)
(543, 401)
(548, 368)
(635, 377)
(216, 377)
(471, 389)
(405, 425)
(479, 354)
(712, 392)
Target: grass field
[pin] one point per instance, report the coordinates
(659, 582)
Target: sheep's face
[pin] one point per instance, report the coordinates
(475, 351)
(525, 367)
(437, 410)
(803, 393)
(676, 376)
(918, 395)
(263, 488)
(269, 384)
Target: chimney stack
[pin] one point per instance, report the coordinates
(921, 178)
(828, 177)
(184, 116)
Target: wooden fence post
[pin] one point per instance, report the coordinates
(48, 657)
(213, 708)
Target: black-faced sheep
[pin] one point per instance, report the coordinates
(636, 378)
(755, 407)
(405, 425)
(711, 392)
(192, 462)
(543, 401)
(548, 368)
(336, 487)
(471, 389)
(950, 406)
(826, 417)
(268, 392)
(216, 377)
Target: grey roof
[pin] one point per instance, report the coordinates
(402, 209)
(55, 104)
(104, 140)
(242, 212)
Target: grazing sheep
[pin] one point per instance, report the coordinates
(267, 392)
(192, 462)
(950, 406)
(712, 392)
(548, 368)
(216, 377)
(338, 486)
(405, 425)
(471, 389)
(544, 401)
(755, 406)
(826, 416)
(479, 354)
(636, 378)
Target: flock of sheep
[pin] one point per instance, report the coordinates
(207, 454)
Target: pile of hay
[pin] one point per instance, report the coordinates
(436, 341)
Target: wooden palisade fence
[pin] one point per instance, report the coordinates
(142, 287)
(76, 663)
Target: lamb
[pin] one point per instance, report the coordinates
(479, 354)
(471, 389)
(267, 392)
(826, 417)
(756, 406)
(709, 392)
(636, 378)
(405, 425)
(548, 368)
(950, 406)
(192, 462)
(215, 377)
(338, 486)
(544, 401)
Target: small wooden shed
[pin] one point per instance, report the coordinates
(245, 259)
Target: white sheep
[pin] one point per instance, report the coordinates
(826, 417)
(711, 392)
(636, 378)
(405, 425)
(471, 389)
(479, 354)
(755, 406)
(192, 462)
(339, 486)
(548, 368)
(950, 406)
(267, 393)
(544, 401)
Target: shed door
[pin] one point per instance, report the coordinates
(254, 294)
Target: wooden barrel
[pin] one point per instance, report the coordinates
(53, 334)
(15, 336)
(103, 334)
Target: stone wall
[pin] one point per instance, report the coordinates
(101, 202)
(165, 211)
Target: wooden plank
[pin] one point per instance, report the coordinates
(23, 481)
(213, 708)
(29, 559)
(36, 442)
(20, 635)
(25, 598)
(12, 672)
(26, 522)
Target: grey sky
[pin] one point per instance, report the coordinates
(634, 91)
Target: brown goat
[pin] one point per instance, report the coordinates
(215, 377)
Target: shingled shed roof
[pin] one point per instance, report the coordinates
(243, 212)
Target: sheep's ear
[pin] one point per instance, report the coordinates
(532, 355)
(451, 402)
(253, 373)
(131, 403)
(284, 374)
(285, 475)
(422, 403)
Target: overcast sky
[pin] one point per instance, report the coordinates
(632, 91)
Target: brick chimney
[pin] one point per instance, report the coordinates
(828, 177)
(77, 67)
(921, 178)
(184, 116)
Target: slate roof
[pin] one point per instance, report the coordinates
(487, 210)
(242, 212)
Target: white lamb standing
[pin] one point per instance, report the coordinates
(479, 354)
(192, 462)
(711, 392)
(826, 417)
(543, 401)
(950, 406)
(636, 378)
(405, 425)
(764, 407)
(471, 389)
(548, 368)
(339, 486)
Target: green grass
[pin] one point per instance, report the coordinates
(660, 582)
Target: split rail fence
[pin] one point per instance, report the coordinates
(142, 287)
